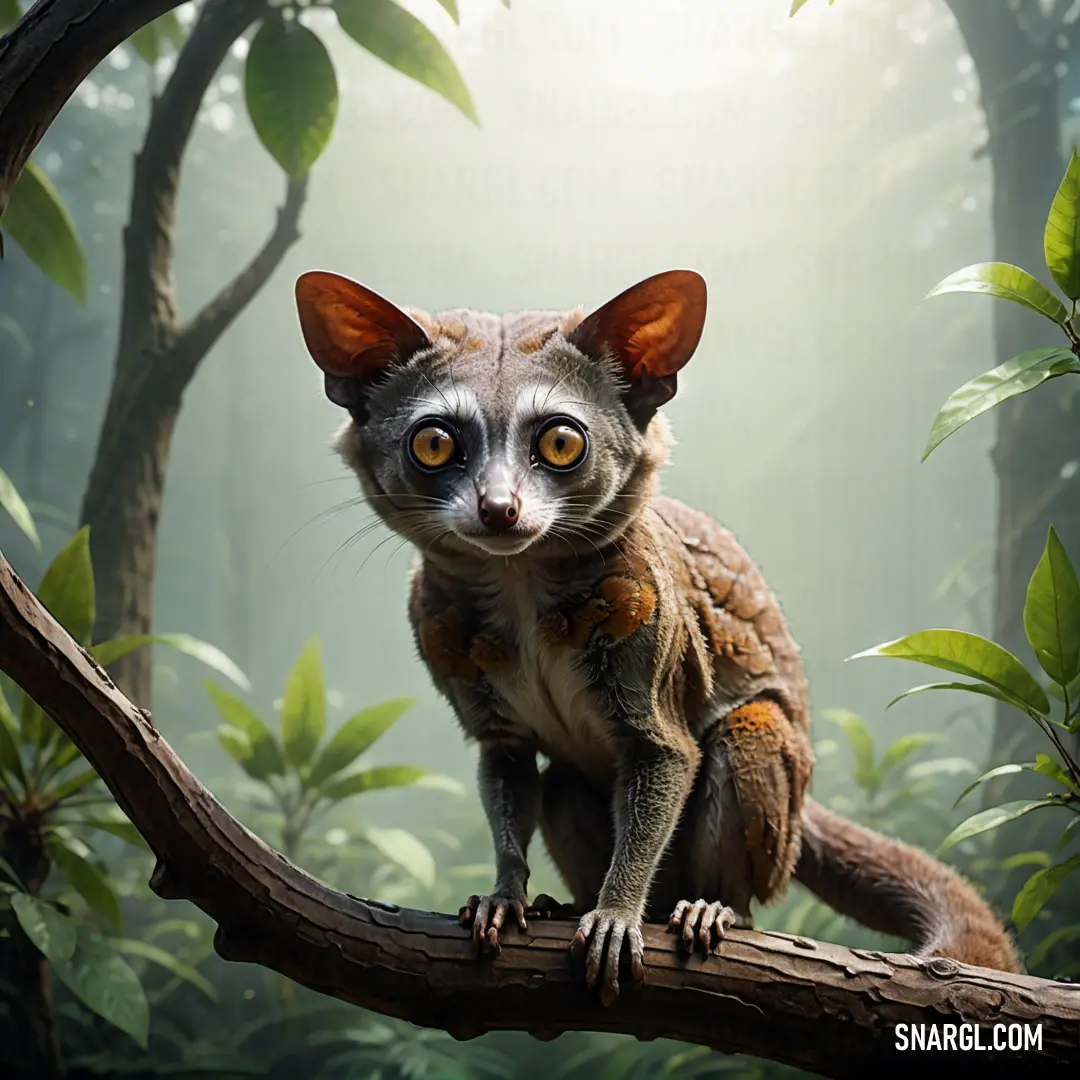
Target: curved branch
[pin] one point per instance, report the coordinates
(45, 56)
(810, 1004)
(198, 337)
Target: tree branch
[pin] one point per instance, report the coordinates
(45, 56)
(810, 1004)
(150, 317)
(198, 337)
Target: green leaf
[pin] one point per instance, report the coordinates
(71, 787)
(35, 727)
(1025, 858)
(1038, 889)
(986, 820)
(1061, 240)
(385, 776)
(11, 501)
(149, 40)
(108, 652)
(303, 712)
(262, 756)
(291, 92)
(235, 743)
(1046, 766)
(117, 826)
(1058, 692)
(950, 766)
(1007, 282)
(1052, 611)
(1016, 376)
(39, 222)
(971, 688)
(1002, 770)
(402, 41)
(52, 934)
(897, 752)
(86, 880)
(451, 9)
(1066, 835)
(795, 5)
(67, 587)
(1064, 934)
(63, 755)
(9, 871)
(169, 962)
(355, 736)
(10, 327)
(103, 981)
(862, 745)
(404, 850)
(969, 655)
(10, 760)
(10, 14)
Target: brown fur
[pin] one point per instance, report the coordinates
(631, 641)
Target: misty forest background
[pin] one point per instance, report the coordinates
(821, 172)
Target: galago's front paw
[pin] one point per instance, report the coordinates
(486, 914)
(608, 927)
(701, 923)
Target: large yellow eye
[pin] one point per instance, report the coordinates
(561, 445)
(432, 446)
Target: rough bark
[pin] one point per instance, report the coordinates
(815, 1005)
(1015, 54)
(157, 354)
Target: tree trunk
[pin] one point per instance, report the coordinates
(157, 355)
(1036, 436)
(122, 507)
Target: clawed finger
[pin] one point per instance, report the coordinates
(467, 912)
(599, 941)
(699, 923)
(480, 924)
(486, 915)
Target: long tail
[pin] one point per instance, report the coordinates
(898, 889)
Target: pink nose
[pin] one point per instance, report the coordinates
(499, 512)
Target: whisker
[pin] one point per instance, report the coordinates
(386, 540)
(321, 516)
(437, 390)
(552, 389)
(328, 480)
(347, 542)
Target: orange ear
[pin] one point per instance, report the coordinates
(350, 331)
(652, 330)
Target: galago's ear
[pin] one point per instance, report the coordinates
(353, 334)
(651, 330)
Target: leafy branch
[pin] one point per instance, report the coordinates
(53, 806)
(302, 776)
(1052, 625)
(1019, 374)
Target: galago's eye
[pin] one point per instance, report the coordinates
(561, 443)
(433, 444)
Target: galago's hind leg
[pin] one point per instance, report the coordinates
(577, 826)
(740, 837)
